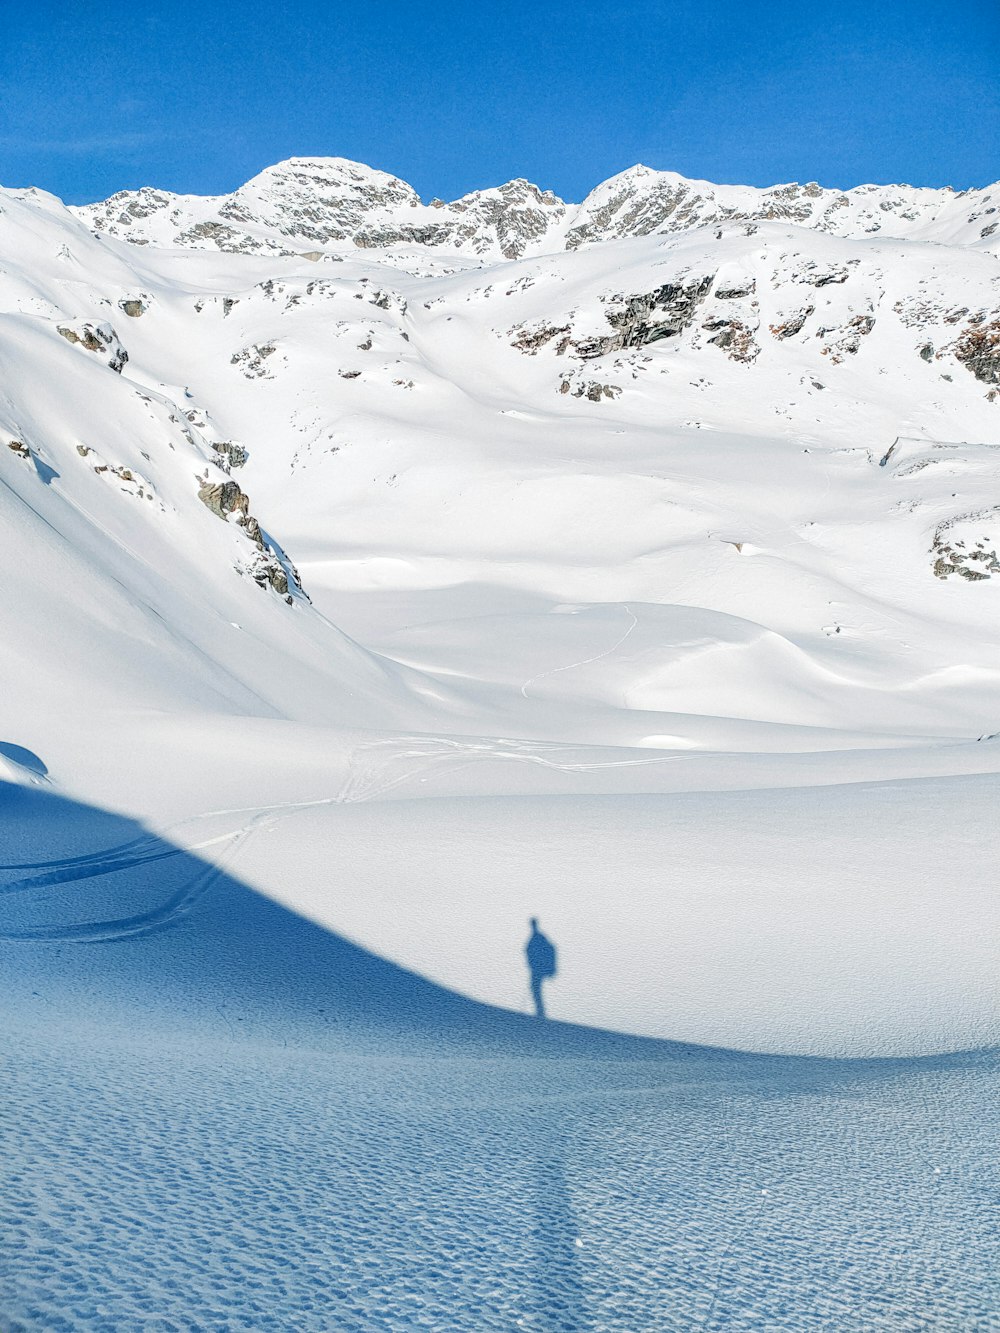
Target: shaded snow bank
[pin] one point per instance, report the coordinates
(221, 1115)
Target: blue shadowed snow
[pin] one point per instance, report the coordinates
(26, 759)
(217, 1115)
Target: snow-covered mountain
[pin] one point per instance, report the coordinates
(316, 204)
(788, 433)
(685, 487)
(376, 576)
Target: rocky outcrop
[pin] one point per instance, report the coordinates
(788, 328)
(224, 498)
(645, 317)
(592, 390)
(978, 349)
(845, 340)
(733, 337)
(266, 566)
(531, 339)
(972, 557)
(99, 338)
(230, 455)
(251, 360)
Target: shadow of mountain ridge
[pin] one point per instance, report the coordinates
(103, 922)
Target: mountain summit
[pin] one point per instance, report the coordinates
(324, 204)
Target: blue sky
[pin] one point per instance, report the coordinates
(197, 97)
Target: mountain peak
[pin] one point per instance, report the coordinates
(312, 203)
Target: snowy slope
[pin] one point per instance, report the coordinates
(377, 575)
(216, 1115)
(707, 503)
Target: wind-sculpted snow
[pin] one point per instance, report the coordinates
(250, 1187)
(236, 1119)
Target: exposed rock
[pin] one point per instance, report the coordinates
(133, 307)
(266, 567)
(233, 455)
(224, 498)
(790, 327)
(735, 293)
(251, 360)
(388, 301)
(99, 338)
(646, 317)
(20, 448)
(973, 559)
(530, 339)
(299, 206)
(845, 340)
(590, 389)
(733, 337)
(831, 276)
(978, 349)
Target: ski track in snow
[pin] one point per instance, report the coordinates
(570, 666)
(369, 777)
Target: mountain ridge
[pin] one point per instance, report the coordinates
(317, 204)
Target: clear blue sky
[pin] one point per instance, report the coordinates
(453, 95)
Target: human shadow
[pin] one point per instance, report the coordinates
(181, 1047)
(102, 920)
(540, 955)
(560, 1299)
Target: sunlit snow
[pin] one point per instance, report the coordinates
(368, 591)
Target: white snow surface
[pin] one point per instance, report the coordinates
(631, 564)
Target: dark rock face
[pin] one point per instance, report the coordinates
(978, 349)
(736, 293)
(646, 317)
(133, 307)
(833, 276)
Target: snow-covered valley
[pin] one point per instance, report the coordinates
(378, 575)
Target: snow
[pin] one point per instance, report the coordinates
(693, 665)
